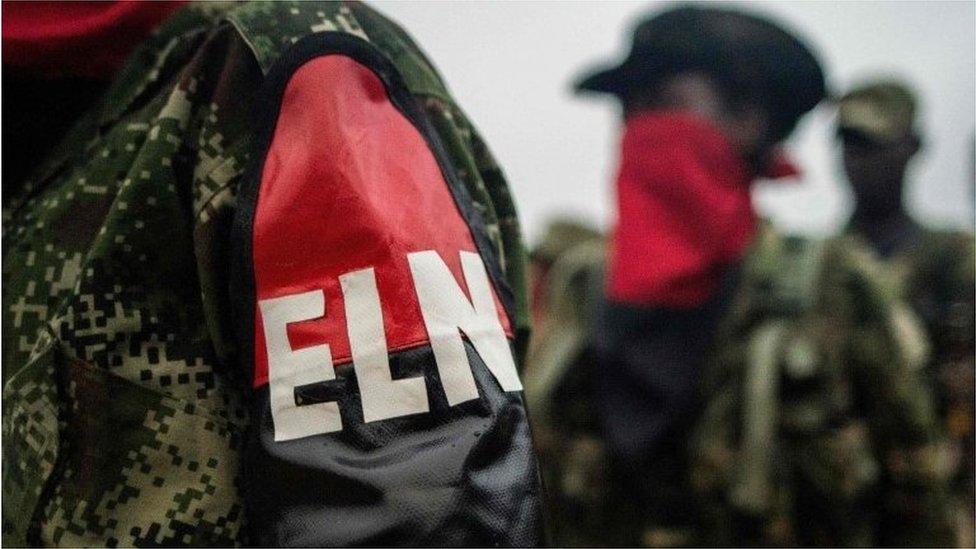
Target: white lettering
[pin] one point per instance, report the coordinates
(382, 396)
(447, 312)
(288, 368)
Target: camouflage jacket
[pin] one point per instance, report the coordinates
(133, 408)
(814, 376)
(560, 366)
(936, 273)
(816, 405)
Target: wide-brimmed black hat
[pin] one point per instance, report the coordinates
(747, 54)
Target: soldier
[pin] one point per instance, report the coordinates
(561, 235)
(706, 96)
(566, 267)
(818, 424)
(234, 293)
(934, 268)
(800, 356)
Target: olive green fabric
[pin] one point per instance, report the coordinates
(123, 402)
(935, 270)
(558, 382)
(560, 235)
(847, 435)
(884, 111)
(813, 406)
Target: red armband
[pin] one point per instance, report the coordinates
(363, 243)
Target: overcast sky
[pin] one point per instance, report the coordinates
(510, 65)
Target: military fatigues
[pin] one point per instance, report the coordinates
(568, 280)
(124, 410)
(812, 405)
(934, 271)
(817, 419)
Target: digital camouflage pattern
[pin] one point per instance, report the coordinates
(123, 407)
(813, 401)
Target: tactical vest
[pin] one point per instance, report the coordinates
(123, 415)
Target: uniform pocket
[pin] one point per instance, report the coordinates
(128, 465)
(31, 409)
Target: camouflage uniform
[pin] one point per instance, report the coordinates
(812, 397)
(935, 272)
(567, 267)
(815, 403)
(124, 415)
(560, 237)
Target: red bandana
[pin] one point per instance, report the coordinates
(685, 211)
(89, 39)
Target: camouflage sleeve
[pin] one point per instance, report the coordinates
(123, 426)
(127, 421)
(508, 222)
(492, 197)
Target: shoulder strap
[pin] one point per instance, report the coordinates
(781, 278)
(753, 484)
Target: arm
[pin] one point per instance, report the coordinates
(361, 261)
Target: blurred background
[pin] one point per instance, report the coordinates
(511, 66)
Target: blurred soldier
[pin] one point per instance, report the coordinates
(935, 269)
(567, 269)
(806, 356)
(561, 235)
(818, 424)
(234, 288)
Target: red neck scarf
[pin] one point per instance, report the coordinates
(87, 39)
(685, 211)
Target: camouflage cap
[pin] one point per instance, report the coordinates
(882, 110)
(562, 234)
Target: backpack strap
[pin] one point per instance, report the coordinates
(782, 279)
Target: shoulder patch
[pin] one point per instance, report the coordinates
(355, 239)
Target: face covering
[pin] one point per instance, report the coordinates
(76, 39)
(685, 211)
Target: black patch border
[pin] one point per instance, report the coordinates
(242, 283)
